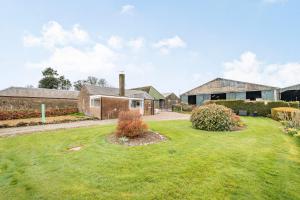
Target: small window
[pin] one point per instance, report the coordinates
(135, 104)
(218, 96)
(95, 103)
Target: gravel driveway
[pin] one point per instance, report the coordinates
(29, 129)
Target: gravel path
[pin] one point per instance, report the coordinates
(29, 129)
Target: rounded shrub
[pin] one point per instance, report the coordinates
(213, 117)
(130, 124)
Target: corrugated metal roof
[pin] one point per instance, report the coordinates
(221, 85)
(151, 91)
(293, 87)
(109, 91)
(39, 93)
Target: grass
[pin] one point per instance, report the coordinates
(257, 163)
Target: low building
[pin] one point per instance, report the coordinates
(20, 98)
(220, 88)
(170, 100)
(291, 93)
(159, 99)
(107, 102)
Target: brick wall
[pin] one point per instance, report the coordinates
(21, 103)
(112, 106)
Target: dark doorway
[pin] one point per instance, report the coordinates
(218, 96)
(291, 95)
(192, 100)
(253, 95)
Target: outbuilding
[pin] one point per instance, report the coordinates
(170, 100)
(226, 89)
(107, 102)
(159, 99)
(291, 93)
(20, 98)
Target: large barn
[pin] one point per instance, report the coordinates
(221, 88)
(107, 102)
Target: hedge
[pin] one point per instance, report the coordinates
(275, 112)
(259, 108)
(23, 114)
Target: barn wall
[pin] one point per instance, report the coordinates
(27, 103)
(268, 95)
(112, 106)
(184, 99)
(201, 98)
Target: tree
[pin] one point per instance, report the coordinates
(78, 84)
(91, 80)
(52, 80)
(64, 84)
(102, 82)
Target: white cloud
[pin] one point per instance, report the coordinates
(165, 45)
(53, 34)
(249, 68)
(136, 43)
(115, 42)
(88, 58)
(127, 9)
(70, 59)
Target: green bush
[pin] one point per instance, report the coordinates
(261, 108)
(213, 117)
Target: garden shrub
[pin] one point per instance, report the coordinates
(259, 108)
(213, 117)
(183, 107)
(290, 119)
(23, 114)
(277, 113)
(130, 124)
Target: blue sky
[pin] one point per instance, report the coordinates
(173, 46)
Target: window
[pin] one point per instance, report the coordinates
(218, 96)
(192, 100)
(135, 104)
(95, 102)
(253, 95)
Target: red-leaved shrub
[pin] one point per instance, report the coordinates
(130, 124)
(23, 114)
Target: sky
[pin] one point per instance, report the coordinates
(172, 45)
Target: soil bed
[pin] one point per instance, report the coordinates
(144, 139)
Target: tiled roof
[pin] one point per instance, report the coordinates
(109, 91)
(221, 85)
(39, 93)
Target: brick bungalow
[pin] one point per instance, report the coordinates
(107, 102)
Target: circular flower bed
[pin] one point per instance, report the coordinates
(214, 117)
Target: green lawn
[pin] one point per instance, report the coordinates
(257, 163)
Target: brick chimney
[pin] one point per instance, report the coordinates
(122, 84)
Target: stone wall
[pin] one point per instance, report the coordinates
(24, 103)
